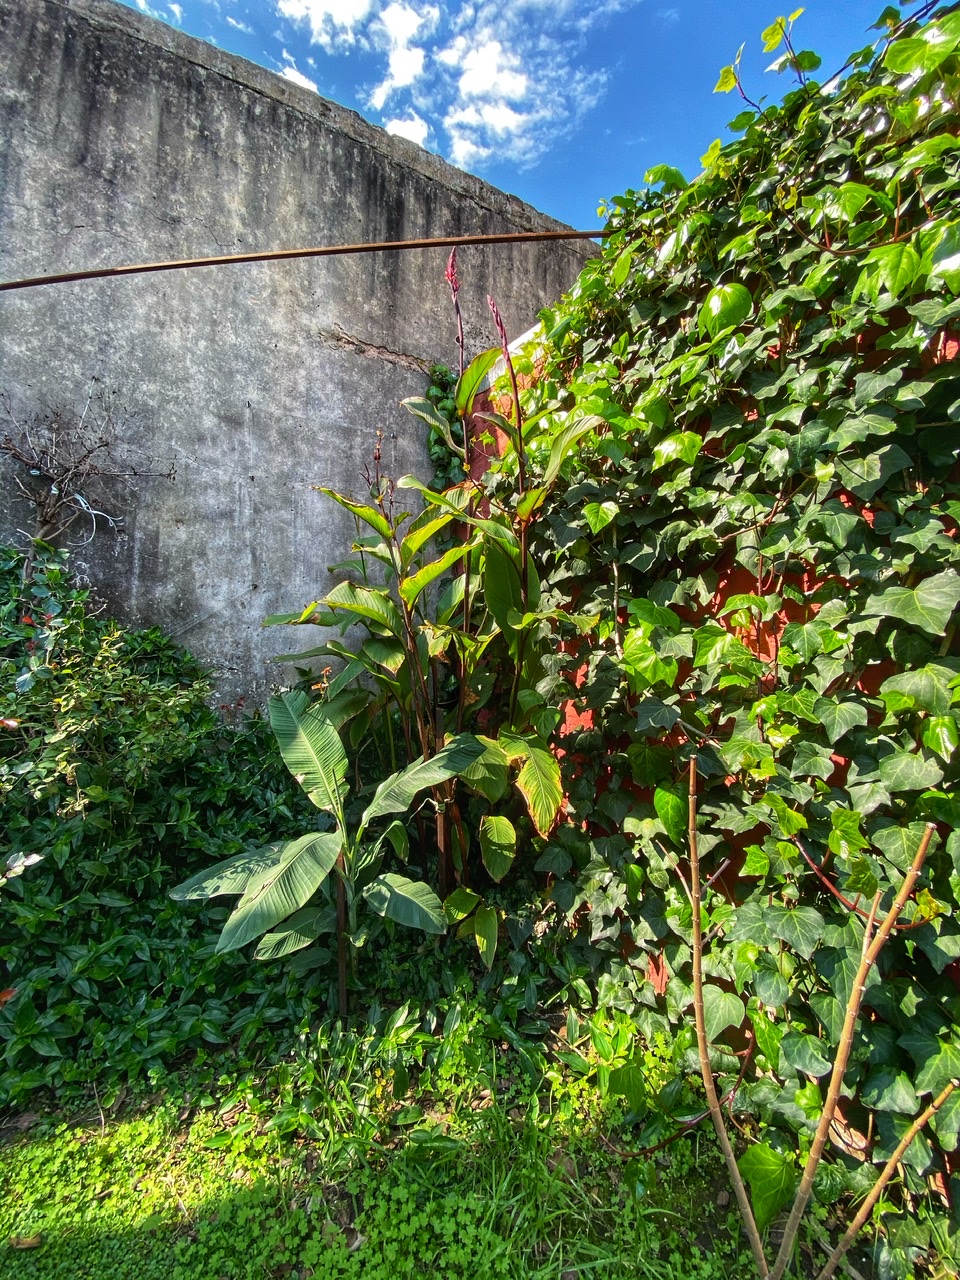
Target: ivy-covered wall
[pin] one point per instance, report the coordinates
(764, 522)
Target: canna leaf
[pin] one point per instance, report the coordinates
(301, 866)
(311, 749)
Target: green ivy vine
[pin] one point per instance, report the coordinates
(766, 522)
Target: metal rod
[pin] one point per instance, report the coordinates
(279, 255)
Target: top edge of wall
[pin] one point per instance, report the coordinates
(139, 26)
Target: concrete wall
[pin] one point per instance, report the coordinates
(121, 141)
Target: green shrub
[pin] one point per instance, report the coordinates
(117, 778)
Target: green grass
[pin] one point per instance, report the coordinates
(507, 1188)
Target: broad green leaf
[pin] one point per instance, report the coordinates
(772, 1178)
(409, 902)
(460, 903)
(420, 533)
(369, 515)
(721, 1009)
(801, 928)
(725, 305)
(727, 81)
(230, 876)
(299, 931)
(489, 774)
(366, 603)
(473, 378)
(672, 811)
(501, 588)
(928, 607)
(498, 845)
(946, 257)
(311, 749)
(427, 411)
(486, 925)
(560, 447)
(898, 266)
(539, 784)
(672, 179)
(599, 514)
(301, 867)
(396, 793)
(411, 588)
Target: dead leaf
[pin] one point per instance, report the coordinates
(7, 994)
(25, 1242)
(658, 974)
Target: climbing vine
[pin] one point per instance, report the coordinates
(765, 522)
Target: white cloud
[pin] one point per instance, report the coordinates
(177, 11)
(490, 71)
(291, 73)
(397, 25)
(332, 22)
(413, 127)
(668, 16)
(239, 26)
(487, 80)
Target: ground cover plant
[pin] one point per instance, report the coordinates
(116, 776)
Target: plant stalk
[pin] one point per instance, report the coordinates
(870, 952)
(703, 1048)
(886, 1174)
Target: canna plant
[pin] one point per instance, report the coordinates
(294, 892)
(449, 633)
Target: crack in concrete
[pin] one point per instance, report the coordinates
(337, 337)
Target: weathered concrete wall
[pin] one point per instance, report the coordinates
(125, 141)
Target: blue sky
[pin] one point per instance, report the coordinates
(561, 103)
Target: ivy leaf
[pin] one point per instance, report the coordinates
(801, 928)
(672, 812)
(909, 771)
(839, 718)
(727, 81)
(940, 735)
(928, 607)
(887, 1089)
(724, 306)
(899, 844)
(683, 445)
(938, 1061)
(721, 1009)
(772, 1178)
(929, 687)
(599, 514)
(845, 835)
(802, 1053)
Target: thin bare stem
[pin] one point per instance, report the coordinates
(703, 1048)
(885, 1175)
(871, 950)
